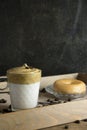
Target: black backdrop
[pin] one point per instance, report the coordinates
(47, 34)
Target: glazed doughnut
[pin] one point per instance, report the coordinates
(69, 86)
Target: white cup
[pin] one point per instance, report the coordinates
(24, 88)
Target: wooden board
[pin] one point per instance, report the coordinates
(81, 125)
(44, 117)
(38, 118)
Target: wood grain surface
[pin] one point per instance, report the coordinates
(44, 117)
(53, 117)
(82, 125)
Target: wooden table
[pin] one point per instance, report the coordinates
(52, 117)
(70, 126)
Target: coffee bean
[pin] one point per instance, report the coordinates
(6, 111)
(65, 101)
(43, 90)
(69, 100)
(52, 101)
(85, 120)
(56, 99)
(48, 100)
(3, 100)
(77, 121)
(66, 127)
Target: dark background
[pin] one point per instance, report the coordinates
(47, 34)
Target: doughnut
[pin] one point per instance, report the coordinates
(69, 86)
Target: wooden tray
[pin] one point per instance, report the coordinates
(43, 117)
